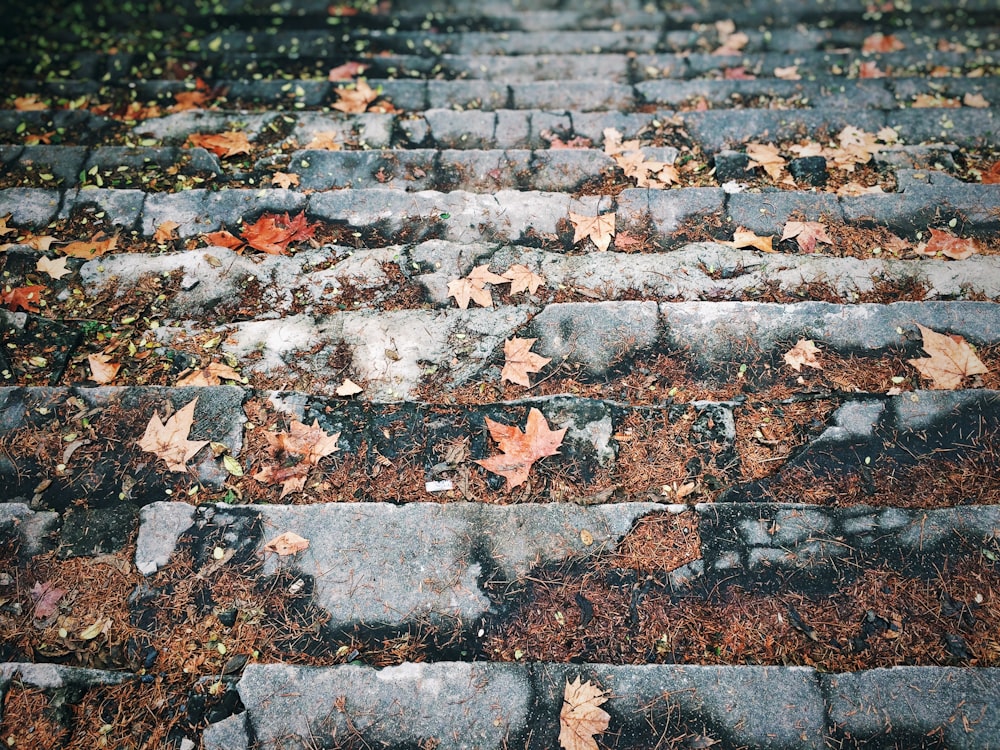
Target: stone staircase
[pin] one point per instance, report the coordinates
(733, 236)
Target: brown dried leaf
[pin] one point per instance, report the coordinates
(297, 451)
(521, 449)
(356, 99)
(600, 229)
(766, 155)
(30, 103)
(54, 268)
(806, 234)
(991, 176)
(949, 246)
(166, 231)
(975, 100)
(102, 369)
(213, 374)
(523, 279)
(581, 716)
(347, 71)
(520, 360)
(348, 388)
(951, 360)
(22, 297)
(284, 179)
(169, 440)
(870, 69)
(473, 287)
(882, 43)
(46, 596)
(745, 238)
(324, 140)
(288, 543)
(803, 353)
(791, 73)
(232, 143)
(92, 248)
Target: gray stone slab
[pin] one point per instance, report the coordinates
(454, 705)
(187, 209)
(30, 207)
(55, 676)
(231, 207)
(546, 67)
(668, 209)
(174, 128)
(719, 129)
(595, 335)
(573, 95)
(593, 124)
(409, 96)
(513, 128)
(121, 208)
(64, 163)
(409, 170)
(767, 214)
(965, 127)
(451, 129)
(32, 528)
(567, 169)
(467, 95)
(289, 94)
(367, 130)
(747, 706)
(919, 207)
(906, 706)
(160, 526)
(485, 171)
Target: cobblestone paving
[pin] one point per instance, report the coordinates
(208, 212)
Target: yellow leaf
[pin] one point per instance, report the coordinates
(744, 238)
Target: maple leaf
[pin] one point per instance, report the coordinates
(297, 451)
(521, 449)
(523, 279)
(288, 543)
(102, 369)
(324, 140)
(745, 238)
(520, 361)
(766, 155)
(169, 440)
(232, 143)
(54, 268)
(166, 231)
(272, 233)
(95, 247)
(975, 100)
(355, 100)
(581, 716)
(992, 174)
(882, 43)
(949, 246)
(738, 73)
(347, 71)
(22, 298)
(600, 229)
(46, 597)
(803, 353)
(806, 234)
(213, 374)
(473, 287)
(791, 73)
(870, 69)
(951, 360)
(284, 179)
(928, 101)
(4, 229)
(191, 99)
(29, 103)
(348, 388)
(224, 239)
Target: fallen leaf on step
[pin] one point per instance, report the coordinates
(581, 716)
(213, 374)
(288, 543)
(95, 247)
(473, 287)
(295, 453)
(766, 156)
(355, 99)
(948, 245)
(169, 440)
(882, 43)
(521, 449)
(520, 360)
(225, 239)
(951, 360)
(54, 268)
(803, 353)
(600, 229)
(30, 103)
(273, 233)
(348, 388)
(806, 234)
(346, 71)
(102, 369)
(523, 279)
(975, 100)
(284, 179)
(232, 143)
(791, 73)
(166, 231)
(744, 238)
(46, 598)
(324, 140)
(22, 297)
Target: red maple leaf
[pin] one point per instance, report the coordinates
(22, 298)
(273, 233)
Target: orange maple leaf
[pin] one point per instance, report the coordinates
(22, 298)
(991, 176)
(520, 360)
(102, 369)
(273, 233)
(949, 246)
(355, 100)
(347, 71)
(231, 143)
(882, 43)
(96, 246)
(296, 451)
(806, 234)
(29, 103)
(169, 440)
(521, 449)
(166, 231)
(225, 239)
(742, 237)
